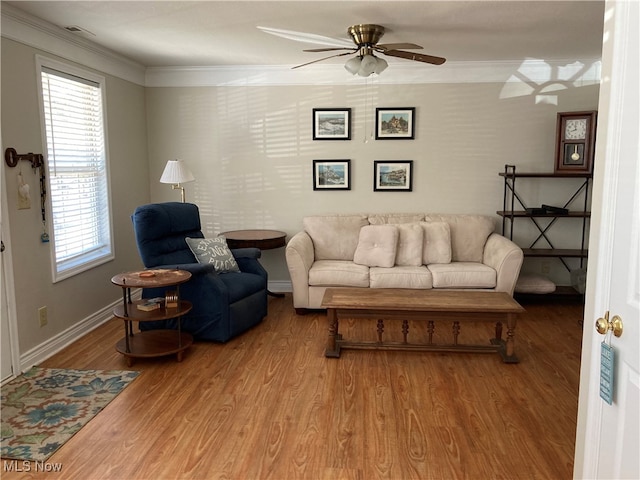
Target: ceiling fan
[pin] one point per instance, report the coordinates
(366, 38)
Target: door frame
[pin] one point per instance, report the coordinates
(6, 278)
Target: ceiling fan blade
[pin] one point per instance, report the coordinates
(329, 49)
(418, 57)
(308, 37)
(397, 46)
(321, 59)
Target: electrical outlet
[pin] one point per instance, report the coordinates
(42, 316)
(545, 267)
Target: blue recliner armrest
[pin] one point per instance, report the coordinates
(246, 253)
(247, 260)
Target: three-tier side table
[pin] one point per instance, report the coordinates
(152, 343)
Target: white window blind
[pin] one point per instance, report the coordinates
(77, 168)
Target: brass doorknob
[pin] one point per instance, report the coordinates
(603, 325)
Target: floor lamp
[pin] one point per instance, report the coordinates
(175, 173)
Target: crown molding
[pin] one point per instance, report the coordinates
(532, 74)
(47, 37)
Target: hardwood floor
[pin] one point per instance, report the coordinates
(270, 405)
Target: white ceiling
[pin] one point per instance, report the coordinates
(212, 33)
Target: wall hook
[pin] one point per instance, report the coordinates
(12, 158)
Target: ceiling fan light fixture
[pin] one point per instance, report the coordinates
(368, 65)
(381, 65)
(353, 65)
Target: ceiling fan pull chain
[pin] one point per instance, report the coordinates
(366, 110)
(371, 103)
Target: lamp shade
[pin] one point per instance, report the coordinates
(367, 66)
(381, 65)
(353, 65)
(176, 172)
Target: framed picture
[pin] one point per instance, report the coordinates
(332, 174)
(396, 175)
(395, 123)
(332, 124)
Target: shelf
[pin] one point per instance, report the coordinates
(555, 252)
(161, 313)
(155, 343)
(562, 294)
(523, 214)
(546, 175)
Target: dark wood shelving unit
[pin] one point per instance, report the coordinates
(515, 208)
(512, 200)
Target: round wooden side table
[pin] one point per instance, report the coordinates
(262, 239)
(152, 343)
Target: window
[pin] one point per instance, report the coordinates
(76, 161)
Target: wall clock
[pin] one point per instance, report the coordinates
(575, 142)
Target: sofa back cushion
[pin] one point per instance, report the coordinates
(335, 237)
(377, 246)
(395, 218)
(410, 244)
(437, 242)
(469, 234)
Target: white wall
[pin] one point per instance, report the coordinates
(75, 299)
(251, 151)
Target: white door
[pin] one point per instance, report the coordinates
(5, 337)
(607, 441)
(10, 359)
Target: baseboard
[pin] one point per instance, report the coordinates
(53, 345)
(280, 286)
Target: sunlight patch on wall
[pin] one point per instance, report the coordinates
(538, 78)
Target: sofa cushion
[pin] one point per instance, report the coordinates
(335, 237)
(400, 277)
(215, 251)
(410, 244)
(395, 218)
(437, 242)
(377, 246)
(338, 273)
(469, 233)
(462, 275)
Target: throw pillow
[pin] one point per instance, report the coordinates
(469, 234)
(377, 246)
(437, 243)
(215, 251)
(410, 241)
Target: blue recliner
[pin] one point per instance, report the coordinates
(224, 304)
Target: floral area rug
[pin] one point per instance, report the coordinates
(43, 408)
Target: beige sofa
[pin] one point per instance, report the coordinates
(419, 251)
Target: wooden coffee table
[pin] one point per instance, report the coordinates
(423, 305)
